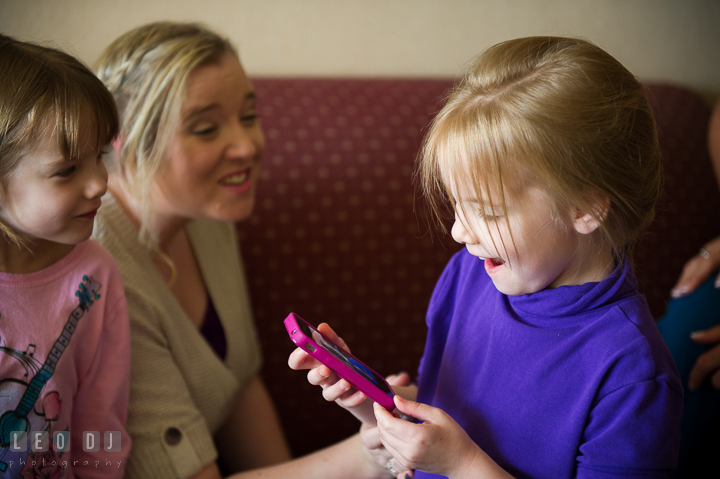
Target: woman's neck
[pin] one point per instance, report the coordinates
(175, 259)
(169, 228)
(30, 256)
(166, 226)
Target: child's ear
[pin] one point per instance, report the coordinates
(585, 223)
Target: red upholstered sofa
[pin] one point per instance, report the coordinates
(338, 236)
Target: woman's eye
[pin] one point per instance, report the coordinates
(204, 130)
(249, 118)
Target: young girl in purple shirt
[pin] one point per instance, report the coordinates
(542, 358)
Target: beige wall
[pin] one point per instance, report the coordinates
(676, 40)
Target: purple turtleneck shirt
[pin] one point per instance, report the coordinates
(569, 382)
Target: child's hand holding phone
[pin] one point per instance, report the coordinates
(326, 355)
(328, 358)
(341, 390)
(334, 387)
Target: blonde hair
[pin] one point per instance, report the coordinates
(46, 90)
(560, 114)
(146, 70)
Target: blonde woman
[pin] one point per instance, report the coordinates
(188, 156)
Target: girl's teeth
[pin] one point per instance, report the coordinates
(235, 180)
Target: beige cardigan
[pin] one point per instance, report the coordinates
(180, 391)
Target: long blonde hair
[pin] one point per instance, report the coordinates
(42, 90)
(560, 114)
(146, 69)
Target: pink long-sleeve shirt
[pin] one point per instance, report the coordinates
(64, 369)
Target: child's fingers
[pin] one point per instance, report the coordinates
(332, 335)
(369, 437)
(400, 379)
(392, 430)
(299, 359)
(334, 388)
(419, 411)
(322, 376)
(371, 440)
(344, 393)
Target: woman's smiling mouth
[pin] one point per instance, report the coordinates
(236, 179)
(237, 182)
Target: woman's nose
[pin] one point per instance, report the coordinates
(244, 142)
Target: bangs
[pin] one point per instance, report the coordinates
(475, 150)
(474, 147)
(77, 105)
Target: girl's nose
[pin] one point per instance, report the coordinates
(96, 182)
(460, 232)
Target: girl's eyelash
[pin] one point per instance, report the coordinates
(250, 117)
(66, 172)
(487, 217)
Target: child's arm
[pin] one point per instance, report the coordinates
(340, 390)
(101, 401)
(438, 445)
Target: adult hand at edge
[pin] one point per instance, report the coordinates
(708, 363)
(697, 269)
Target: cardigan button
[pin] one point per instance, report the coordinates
(173, 436)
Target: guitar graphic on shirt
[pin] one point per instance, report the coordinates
(17, 419)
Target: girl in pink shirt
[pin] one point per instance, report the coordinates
(64, 334)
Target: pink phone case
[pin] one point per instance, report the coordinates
(345, 365)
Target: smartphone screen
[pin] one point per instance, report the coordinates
(346, 358)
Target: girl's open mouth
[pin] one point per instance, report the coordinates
(493, 264)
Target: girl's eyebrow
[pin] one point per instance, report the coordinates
(58, 160)
(474, 201)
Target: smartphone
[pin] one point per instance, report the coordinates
(344, 364)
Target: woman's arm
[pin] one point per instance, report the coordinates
(344, 459)
(252, 436)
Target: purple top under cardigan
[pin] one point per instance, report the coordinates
(568, 382)
(213, 332)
